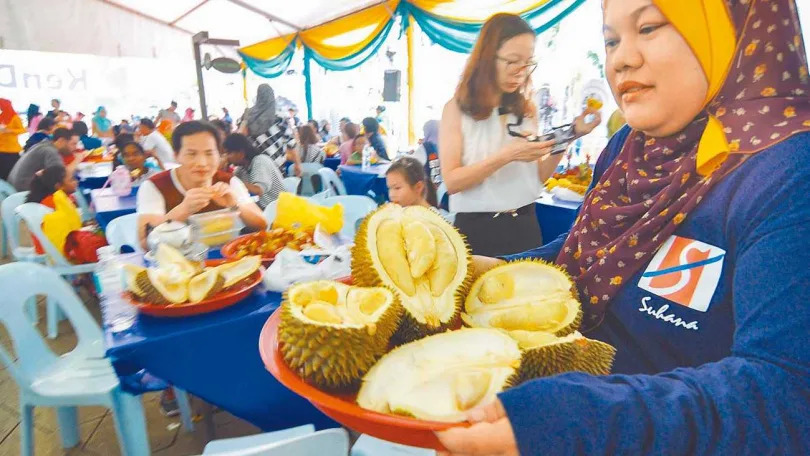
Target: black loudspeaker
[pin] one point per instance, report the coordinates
(391, 85)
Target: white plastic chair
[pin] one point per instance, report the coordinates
(252, 441)
(32, 214)
(370, 446)
(331, 182)
(11, 226)
(330, 442)
(82, 377)
(123, 231)
(291, 184)
(307, 171)
(355, 209)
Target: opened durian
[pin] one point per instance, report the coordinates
(331, 334)
(204, 285)
(526, 295)
(416, 253)
(131, 273)
(238, 270)
(441, 377)
(161, 286)
(167, 257)
(546, 354)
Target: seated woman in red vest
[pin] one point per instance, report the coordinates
(196, 185)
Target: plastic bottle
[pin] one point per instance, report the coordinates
(118, 314)
(366, 157)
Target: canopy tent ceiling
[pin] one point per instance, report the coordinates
(248, 21)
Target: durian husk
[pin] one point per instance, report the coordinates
(366, 272)
(148, 281)
(131, 273)
(556, 355)
(335, 357)
(472, 300)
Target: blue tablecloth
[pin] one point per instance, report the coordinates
(332, 163)
(216, 357)
(108, 206)
(93, 176)
(555, 216)
(360, 182)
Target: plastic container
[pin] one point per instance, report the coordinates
(118, 313)
(216, 227)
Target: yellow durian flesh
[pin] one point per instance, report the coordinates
(416, 253)
(236, 271)
(169, 258)
(162, 287)
(526, 295)
(442, 376)
(332, 344)
(205, 285)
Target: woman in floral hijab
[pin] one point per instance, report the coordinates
(690, 252)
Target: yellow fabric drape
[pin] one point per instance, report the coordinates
(475, 10)
(268, 49)
(411, 129)
(707, 27)
(337, 39)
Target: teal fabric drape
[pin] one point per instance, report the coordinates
(308, 81)
(460, 36)
(272, 68)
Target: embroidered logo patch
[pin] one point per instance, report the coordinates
(684, 271)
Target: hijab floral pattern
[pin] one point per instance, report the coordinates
(654, 183)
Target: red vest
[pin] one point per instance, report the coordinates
(173, 197)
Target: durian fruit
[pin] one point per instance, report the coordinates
(167, 257)
(526, 295)
(161, 286)
(131, 272)
(441, 377)
(205, 285)
(238, 270)
(546, 354)
(331, 333)
(416, 253)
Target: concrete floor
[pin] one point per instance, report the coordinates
(166, 436)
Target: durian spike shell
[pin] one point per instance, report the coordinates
(131, 272)
(443, 289)
(334, 356)
(526, 294)
(158, 290)
(572, 353)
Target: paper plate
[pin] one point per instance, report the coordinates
(343, 408)
(227, 298)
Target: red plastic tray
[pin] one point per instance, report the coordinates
(343, 408)
(229, 297)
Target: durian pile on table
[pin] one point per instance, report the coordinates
(415, 336)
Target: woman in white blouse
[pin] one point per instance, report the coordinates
(493, 177)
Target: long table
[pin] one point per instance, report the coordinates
(109, 206)
(215, 357)
(555, 216)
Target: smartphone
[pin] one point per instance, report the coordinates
(562, 136)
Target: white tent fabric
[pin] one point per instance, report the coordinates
(155, 28)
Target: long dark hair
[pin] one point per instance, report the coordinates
(477, 91)
(240, 143)
(44, 183)
(414, 172)
(308, 137)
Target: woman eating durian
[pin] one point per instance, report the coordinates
(690, 252)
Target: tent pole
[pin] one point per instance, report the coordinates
(196, 40)
(308, 82)
(409, 39)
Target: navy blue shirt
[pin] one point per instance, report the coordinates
(711, 359)
(35, 139)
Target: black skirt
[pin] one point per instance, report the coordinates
(501, 233)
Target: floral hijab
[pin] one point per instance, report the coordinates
(754, 59)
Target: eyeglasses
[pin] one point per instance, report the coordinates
(517, 67)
